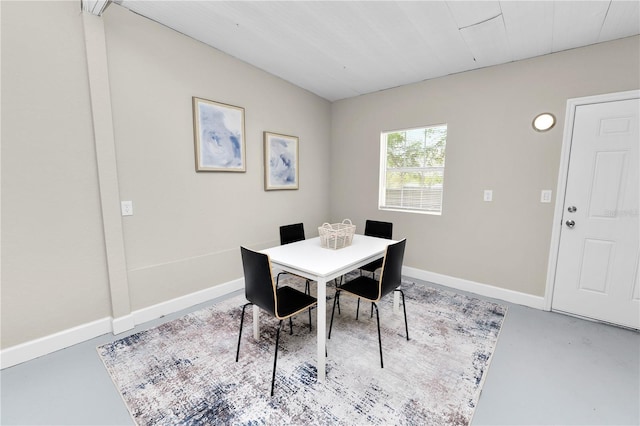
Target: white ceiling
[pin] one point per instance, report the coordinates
(341, 49)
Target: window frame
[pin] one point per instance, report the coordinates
(382, 185)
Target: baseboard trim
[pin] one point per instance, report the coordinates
(486, 290)
(33, 349)
(122, 324)
(66, 338)
(183, 302)
(54, 342)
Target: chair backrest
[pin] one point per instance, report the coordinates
(291, 233)
(258, 281)
(374, 228)
(391, 276)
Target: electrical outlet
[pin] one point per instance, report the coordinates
(127, 208)
(545, 196)
(488, 195)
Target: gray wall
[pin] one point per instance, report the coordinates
(53, 269)
(490, 145)
(187, 227)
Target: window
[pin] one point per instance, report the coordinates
(412, 169)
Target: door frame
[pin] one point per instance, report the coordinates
(572, 105)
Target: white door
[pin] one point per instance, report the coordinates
(597, 267)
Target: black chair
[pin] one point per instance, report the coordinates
(260, 290)
(374, 228)
(369, 289)
(291, 234)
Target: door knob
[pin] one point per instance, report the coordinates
(570, 223)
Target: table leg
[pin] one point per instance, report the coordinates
(256, 322)
(321, 327)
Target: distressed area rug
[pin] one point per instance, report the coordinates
(184, 371)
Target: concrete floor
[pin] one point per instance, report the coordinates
(548, 369)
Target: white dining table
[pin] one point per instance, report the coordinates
(308, 259)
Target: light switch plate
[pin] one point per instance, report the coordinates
(488, 195)
(545, 196)
(127, 208)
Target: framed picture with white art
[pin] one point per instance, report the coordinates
(219, 136)
(280, 161)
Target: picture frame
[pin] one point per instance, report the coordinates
(281, 165)
(219, 136)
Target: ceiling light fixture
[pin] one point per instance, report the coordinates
(544, 122)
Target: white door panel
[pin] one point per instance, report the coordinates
(597, 267)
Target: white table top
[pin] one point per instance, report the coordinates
(309, 259)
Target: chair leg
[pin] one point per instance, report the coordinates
(335, 299)
(240, 333)
(371, 310)
(404, 308)
(275, 358)
(379, 337)
(337, 286)
(307, 290)
(358, 309)
(290, 327)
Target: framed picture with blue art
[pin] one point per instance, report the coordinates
(219, 136)
(280, 161)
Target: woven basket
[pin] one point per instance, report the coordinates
(336, 235)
